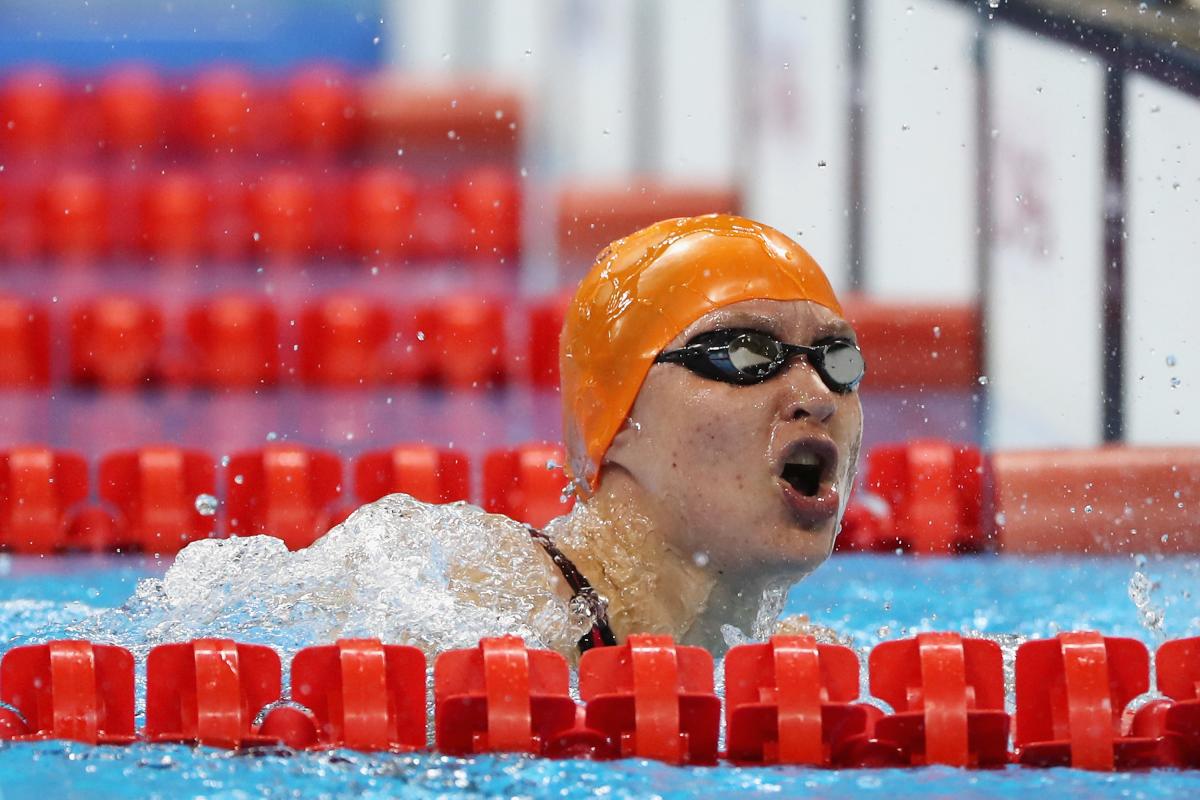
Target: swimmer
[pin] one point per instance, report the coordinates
(712, 429)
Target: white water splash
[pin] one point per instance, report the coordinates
(434, 576)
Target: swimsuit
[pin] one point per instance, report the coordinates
(600, 634)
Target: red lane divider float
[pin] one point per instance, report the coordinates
(933, 491)
(526, 483)
(209, 692)
(504, 698)
(286, 491)
(1178, 670)
(948, 697)
(40, 491)
(425, 472)
(1071, 693)
(363, 695)
(154, 492)
(789, 700)
(67, 690)
(653, 698)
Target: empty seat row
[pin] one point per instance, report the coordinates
(158, 499)
(352, 340)
(924, 497)
(278, 215)
(790, 700)
(244, 342)
(938, 497)
(137, 111)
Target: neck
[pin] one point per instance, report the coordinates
(616, 541)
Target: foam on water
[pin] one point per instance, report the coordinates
(434, 576)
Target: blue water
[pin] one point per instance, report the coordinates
(867, 597)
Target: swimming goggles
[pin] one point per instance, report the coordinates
(743, 357)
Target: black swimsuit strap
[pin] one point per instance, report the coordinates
(601, 633)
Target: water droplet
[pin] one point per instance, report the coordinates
(452, 135)
(700, 558)
(822, 163)
(983, 380)
(206, 505)
(1171, 361)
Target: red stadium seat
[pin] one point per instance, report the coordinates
(364, 695)
(33, 105)
(1071, 694)
(947, 693)
(791, 701)
(913, 346)
(221, 112)
(283, 215)
(344, 342)
(75, 225)
(322, 110)
(155, 491)
(116, 342)
(1111, 499)
(653, 698)
(488, 202)
(209, 691)
(68, 689)
(935, 492)
(526, 483)
(174, 217)
(285, 491)
(500, 697)
(234, 343)
(20, 218)
(434, 120)
(229, 234)
(24, 344)
(40, 490)
(426, 473)
(382, 221)
(589, 217)
(545, 326)
(134, 110)
(465, 341)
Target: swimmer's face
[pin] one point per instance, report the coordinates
(713, 458)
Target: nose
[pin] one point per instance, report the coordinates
(807, 395)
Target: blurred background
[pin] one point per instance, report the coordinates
(263, 245)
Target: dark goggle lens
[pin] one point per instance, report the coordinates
(754, 354)
(843, 364)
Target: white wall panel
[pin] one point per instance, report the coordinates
(919, 150)
(1162, 266)
(421, 36)
(698, 112)
(797, 126)
(590, 105)
(1044, 310)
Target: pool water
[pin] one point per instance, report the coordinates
(866, 597)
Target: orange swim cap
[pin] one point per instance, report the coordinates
(641, 292)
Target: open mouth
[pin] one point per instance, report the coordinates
(808, 477)
(808, 464)
(804, 474)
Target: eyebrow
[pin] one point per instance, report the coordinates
(740, 319)
(837, 328)
(749, 319)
